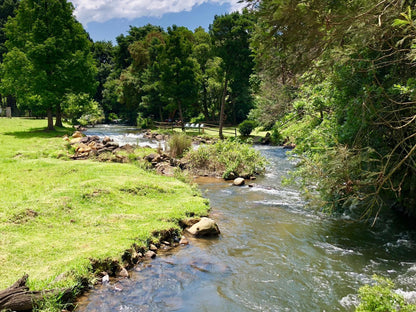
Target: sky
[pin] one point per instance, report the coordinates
(107, 19)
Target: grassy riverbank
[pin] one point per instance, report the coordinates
(56, 214)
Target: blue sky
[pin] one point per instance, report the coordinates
(106, 19)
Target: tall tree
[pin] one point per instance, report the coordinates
(179, 71)
(231, 34)
(203, 53)
(7, 9)
(103, 53)
(48, 56)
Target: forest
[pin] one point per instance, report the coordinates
(335, 78)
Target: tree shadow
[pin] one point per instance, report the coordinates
(40, 133)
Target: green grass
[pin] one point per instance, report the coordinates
(56, 214)
(208, 131)
(211, 132)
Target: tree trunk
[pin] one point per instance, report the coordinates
(161, 114)
(181, 115)
(234, 109)
(50, 120)
(58, 121)
(205, 101)
(224, 95)
(18, 297)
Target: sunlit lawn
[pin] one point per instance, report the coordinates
(56, 214)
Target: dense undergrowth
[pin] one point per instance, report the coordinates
(349, 109)
(228, 158)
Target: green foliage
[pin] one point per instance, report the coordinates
(246, 127)
(179, 71)
(81, 109)
(228, 158)
(144, 123)
(48, 55)
(345, 96)
(179, 143)
(7, 9)
(112, 117)
(231, 34)
(382, 298)
(276, 137)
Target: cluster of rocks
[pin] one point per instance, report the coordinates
(163, 163)
(196, 227)
(148, 134)
(88, 146)
(92, 146)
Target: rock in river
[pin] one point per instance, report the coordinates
(239, 182)
(205, 227)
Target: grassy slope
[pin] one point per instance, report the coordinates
(55, 214)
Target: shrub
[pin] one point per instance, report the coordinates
(178, 144)
(80, 108)
(228, 158)
(144, 123)
(381, 297)
(246, 127)
(112, 117)
(276, 137)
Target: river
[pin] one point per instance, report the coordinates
(272, 255)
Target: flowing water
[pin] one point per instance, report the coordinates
(124, 135)
(272, 255)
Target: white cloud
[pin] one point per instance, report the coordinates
(103, 10)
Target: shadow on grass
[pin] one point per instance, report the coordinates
(40, 133)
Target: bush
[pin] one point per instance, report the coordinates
(144, 123)
(228, 158)
(276, 137)
(381, 297)
(81, 109)
(246, 127)
(178, 144)
(112, 117)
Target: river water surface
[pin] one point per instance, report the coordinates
(272, 255)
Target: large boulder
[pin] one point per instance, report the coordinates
(239, 182)
(165, 169)
(77, 134)
(75, 141)
(83, 148)
(205, 227)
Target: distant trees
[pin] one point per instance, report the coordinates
(180, 74)
(7, 9)
(48, 56)
(179, 71)
(176, 74)
(231, 35)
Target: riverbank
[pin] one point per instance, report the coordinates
(59, 215)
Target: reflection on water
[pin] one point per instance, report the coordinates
(272, 255)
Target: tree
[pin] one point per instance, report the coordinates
(48, 56)
(352, 64)
(203, 53)
(231, 34)
(103, 53)
(179, 71)
(139, 83)
(7, 9)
